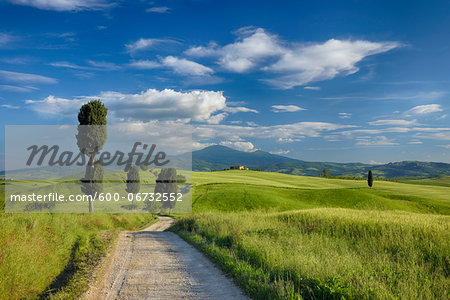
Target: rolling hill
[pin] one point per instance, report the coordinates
(220, 157)
(294, 237)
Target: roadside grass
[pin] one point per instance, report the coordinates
(52, 255)
(37, 250)
(85, 256)
(327, 253)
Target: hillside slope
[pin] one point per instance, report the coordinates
(250, 190)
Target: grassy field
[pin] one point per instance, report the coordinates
(114, 184)
(280, 237)
(249, 190)
(53, 255)
(438, 181)
(290, 237)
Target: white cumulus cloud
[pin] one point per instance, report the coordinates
(282, 133)
(14, 88)
(376, 141)
(394, 122)
(242, 146)
(198, 146)
(65, 5)
(158, 9)
(280, 152)
(250, 48)
(147, 43)
(286, 108)
(183, 66)
(312, 88)
(216, 119)
(178, 65)
(290, 64)
(322, 61)
(424, 109)
(5, 39)
(147, 105)
(236, 109)
(145, 64)
(344, 115)
(9, 106)
(25, 77)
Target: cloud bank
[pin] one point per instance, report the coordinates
(65, 5)
(145, 106)
(290, 64)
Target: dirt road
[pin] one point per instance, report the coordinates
(153, 264)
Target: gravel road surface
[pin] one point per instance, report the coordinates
(154, 264)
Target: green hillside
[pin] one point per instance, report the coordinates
(248, 190)
(438, 181)
(294, 237)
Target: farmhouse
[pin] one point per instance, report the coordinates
(238, 168)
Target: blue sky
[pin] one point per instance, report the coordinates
(344, 81)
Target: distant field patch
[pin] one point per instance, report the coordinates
(250, 190)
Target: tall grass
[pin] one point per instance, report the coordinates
(328, 253)
(37, 250)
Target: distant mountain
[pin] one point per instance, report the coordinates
(220, 157)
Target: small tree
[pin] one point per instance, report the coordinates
(92, 183)
(90, 140)
(181, 178)
(133, 183)
(167, 183)
(370, 179)
(92, 132)
(326, 173)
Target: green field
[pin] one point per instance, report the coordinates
(279, 236)
(438, 181)
(113, 184)
(287, 237)
(249, 190)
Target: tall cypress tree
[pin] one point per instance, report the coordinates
(370, 179)
(167, 183)
(133, 183)
(91, 137)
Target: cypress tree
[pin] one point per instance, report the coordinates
(91, 138)
(167, 183)
(133, 183)
(370, 179)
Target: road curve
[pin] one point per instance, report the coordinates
(155, 264)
